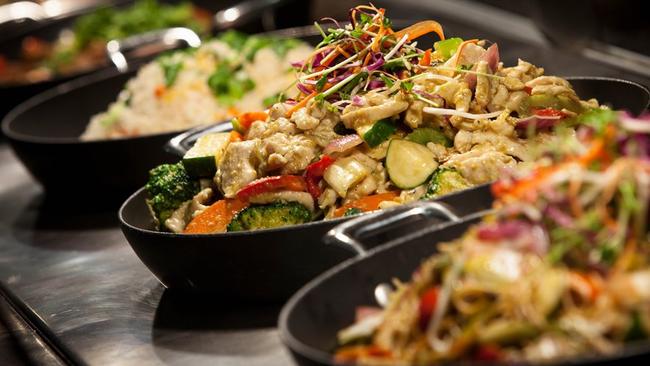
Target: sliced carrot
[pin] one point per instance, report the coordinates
(235, 136)
(353, 353)
(584, 285)
(366, 204)
(247, 119)
(419, 29)
(159, 91)
(426, 58)
(300, 104)
(215, 219)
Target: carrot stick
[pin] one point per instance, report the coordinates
(215, 219)
(300, 104)
(365, 204)
(419, 29)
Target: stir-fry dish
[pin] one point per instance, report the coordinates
(378, 122)
(562, 269)
(230, 74)
(82, 47)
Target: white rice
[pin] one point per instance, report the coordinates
(147, 107)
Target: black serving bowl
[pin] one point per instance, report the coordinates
(267, 265)
(44, 133)
(311, 319)
(272, 264)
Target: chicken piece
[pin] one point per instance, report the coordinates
(462, 100)
(261, 129)
(324, 133)
(414, 113)
(364, 188)
(304, 120)
(238, 166)
(524, 71)
(551, 85)
(499, 99)
(354, 116)
(289, 153)
(480, 165)
(466, 141)
(440, 152)
(278, 110)
(482, 95)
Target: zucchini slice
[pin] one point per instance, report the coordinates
(201, 160)
(425, 135)
(379, 132)
(409, 164)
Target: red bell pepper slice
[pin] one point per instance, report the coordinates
(549, 112)
(428, 303)
(314, 173)
(272, 184)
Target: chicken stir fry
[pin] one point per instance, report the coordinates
(380, 122)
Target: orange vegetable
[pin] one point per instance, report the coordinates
(159, 91)
(235, 136)
(247, 119)
(215, 219)
(300, 104)
(352, 353)
(585, 285)
(426, 59)
(365, 204)
(419, 29)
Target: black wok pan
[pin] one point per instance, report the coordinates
(255, 265)
(271, 264)
(309, 322)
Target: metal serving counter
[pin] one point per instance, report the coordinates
(90, 300)
(75, 271)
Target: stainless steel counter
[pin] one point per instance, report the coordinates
(75, 270)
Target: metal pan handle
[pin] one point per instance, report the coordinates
(346, 234)
(245, 11)
(180, 144)
(118, 51)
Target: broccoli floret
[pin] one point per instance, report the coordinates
(168, 187)
(352, 211)
(270, 216)
(445, 180)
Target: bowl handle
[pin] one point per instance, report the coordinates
(180, 144)
(148, 44)
(347, 234)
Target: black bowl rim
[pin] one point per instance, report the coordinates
(613, 79)
(140, 191)
(295, 345)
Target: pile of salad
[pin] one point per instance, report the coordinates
(83, 46)
(561, 270)
(379, 122)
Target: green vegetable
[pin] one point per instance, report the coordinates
(228, 85)
(249, 45)
(448, 47)
(425, 135)
(201, 160)
(171, 68)
(269, 216)
(444, 181)
(636, 331)
(352, 211)
(268, 102)
(168, 187)
(506, 332)
(143, 16)
(541, 101)
(597, 118)
(409, 164)
(379, 132)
